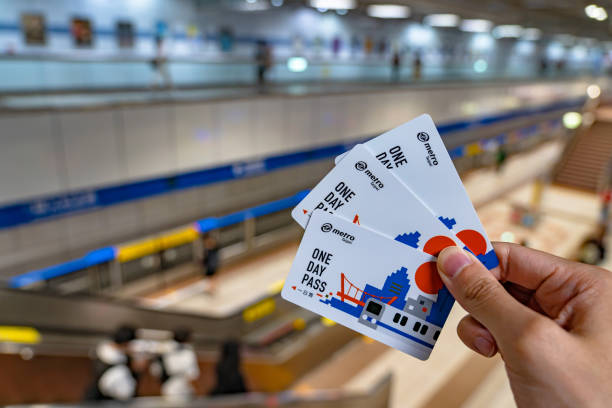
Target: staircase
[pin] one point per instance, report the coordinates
(585, 163)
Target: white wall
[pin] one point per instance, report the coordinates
(58, 152)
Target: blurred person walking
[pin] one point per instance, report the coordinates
(114, 375)
(178, 366)
(263, 59)
(210, 260)
(229, 374)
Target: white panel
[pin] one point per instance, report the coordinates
(187, 203)
(213, 199)
(29, 165)
(87, 229)
(236, 132)
(328, 119)
(356, 118)
(91, 146)
(149, 147)
(7, 241)
(123, 219)
(158, 212)
(42, 236)
(343, 118)
(300, 127)
(268, 125)
(197, 142)
(374, 113)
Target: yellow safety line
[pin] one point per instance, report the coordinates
(139, 249)
(19, 334)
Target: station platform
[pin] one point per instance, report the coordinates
(237, 286)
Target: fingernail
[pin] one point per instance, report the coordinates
(454, 262)
(484, 346)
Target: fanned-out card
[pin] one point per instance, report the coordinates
(370, 283)
(415, 153)
(362, 190)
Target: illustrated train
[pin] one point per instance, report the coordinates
(389, 308)
(408, 322)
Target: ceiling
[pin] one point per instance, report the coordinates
(551, 16)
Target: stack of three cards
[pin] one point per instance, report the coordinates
(374, 225)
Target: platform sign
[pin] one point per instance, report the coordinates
(33, 28)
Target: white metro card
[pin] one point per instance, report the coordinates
(361, 190)
(415, 153)
(369, 283)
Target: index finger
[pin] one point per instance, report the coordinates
(527, 267)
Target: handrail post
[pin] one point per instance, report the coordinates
(116, 280)
(249, 233)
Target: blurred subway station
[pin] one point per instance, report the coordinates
(151, 152)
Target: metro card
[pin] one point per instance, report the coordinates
(369, 283)
(415, 153)
(360, 189)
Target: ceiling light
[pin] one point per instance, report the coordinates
(277, 3)
(388, 11)
(442, 20)
(596, 12)
(532, 34)
(507, 31)
(342, 12)
(333, 4)
(476, 26)
(252, 5)
(591, 10)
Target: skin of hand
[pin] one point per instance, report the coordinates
(549, 318)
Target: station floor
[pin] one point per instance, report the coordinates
(566, 218)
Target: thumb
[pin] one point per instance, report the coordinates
(481, 294)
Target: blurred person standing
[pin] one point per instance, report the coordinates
(396, 63)
(178, 366)
(229, 374)
(159, 64)
(417, 66)
(500, 158)
(263, 59)
(210, 260)
(114, 376)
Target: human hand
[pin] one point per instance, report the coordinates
(549, 318)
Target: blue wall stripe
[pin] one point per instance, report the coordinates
(29, 211)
